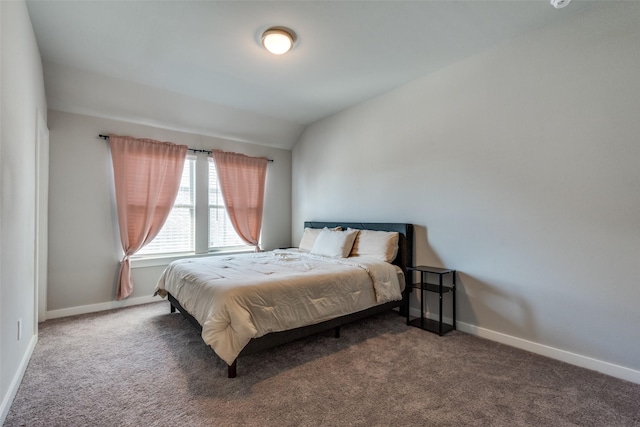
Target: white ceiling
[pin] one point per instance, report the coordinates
(208, 51)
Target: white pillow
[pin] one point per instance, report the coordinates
(309, 237)
(334, 243)
(382, 245)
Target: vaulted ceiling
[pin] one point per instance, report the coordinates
(123, 59)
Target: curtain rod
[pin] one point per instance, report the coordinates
(194, 150)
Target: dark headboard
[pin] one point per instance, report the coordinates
(404, 258)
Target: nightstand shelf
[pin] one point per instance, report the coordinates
(431, 325)
(425, 287)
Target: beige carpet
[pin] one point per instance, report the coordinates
(142, 366)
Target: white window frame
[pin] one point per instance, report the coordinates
(191, 206)
(201, 228)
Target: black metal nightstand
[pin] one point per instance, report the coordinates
(440, 288)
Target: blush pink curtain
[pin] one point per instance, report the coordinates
(147, 177)
(242, 181)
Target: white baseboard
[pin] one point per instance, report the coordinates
(17, 379)
(607, 368)
(84, 309)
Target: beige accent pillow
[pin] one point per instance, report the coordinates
(309, 237)
(382, 245)
(334, 243)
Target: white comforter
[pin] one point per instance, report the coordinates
(239, 297)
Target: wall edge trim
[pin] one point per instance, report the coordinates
(92, 308)
(7, 401)
(607, 368)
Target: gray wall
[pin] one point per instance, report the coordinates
(23, 97)
(520, 167)
(84, 245)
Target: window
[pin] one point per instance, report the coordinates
(221, 231)
(189, 218)
(177, 234)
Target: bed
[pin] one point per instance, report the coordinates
(287, 294)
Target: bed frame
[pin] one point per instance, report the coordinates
(404, 259)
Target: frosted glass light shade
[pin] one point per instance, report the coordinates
(277, 41)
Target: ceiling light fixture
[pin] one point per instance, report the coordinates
(278, 40)
(559, 4)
